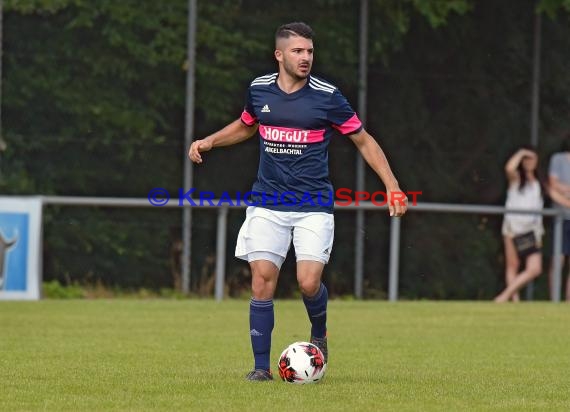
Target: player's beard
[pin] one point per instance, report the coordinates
(292, 70)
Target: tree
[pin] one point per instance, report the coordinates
(94, 105)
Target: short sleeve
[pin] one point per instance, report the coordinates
(555, 166)
(342, 116)
(248, 115)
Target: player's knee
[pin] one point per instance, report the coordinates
(309, 287)
(261, 287)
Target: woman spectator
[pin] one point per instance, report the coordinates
(522, 233)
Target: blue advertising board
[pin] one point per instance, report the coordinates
(20, 247)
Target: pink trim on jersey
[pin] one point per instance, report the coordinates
(288, 135)
(349, 126)
(248, 119)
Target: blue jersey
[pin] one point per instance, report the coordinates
(294, 133)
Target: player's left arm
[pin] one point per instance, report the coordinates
(376, 159)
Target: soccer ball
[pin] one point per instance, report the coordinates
(302, 362)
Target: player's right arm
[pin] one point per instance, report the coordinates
(235, 132)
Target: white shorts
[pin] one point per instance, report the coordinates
(266, 235)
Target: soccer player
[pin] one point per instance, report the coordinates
(295, 115)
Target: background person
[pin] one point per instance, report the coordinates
(559, 192)
(522, 234)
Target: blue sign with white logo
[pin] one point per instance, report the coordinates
(13, 251)
(20, 247)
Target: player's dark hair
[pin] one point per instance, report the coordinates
(294, 29)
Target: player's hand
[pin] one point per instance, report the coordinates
(198, 147)
(397, 202)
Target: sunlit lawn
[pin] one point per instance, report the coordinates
(192, 355)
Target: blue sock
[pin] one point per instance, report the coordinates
(317, 311)
(261, 320)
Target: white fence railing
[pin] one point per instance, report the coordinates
(395, 230)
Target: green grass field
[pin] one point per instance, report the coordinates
(193, 354)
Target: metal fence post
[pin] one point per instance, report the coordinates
(188, 177)
(394, 258)
(221, 252)
(557, 265)
(359, 242)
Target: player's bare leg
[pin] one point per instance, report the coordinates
(309, 274)
(264, 275)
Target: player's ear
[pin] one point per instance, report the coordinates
(278, 55)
